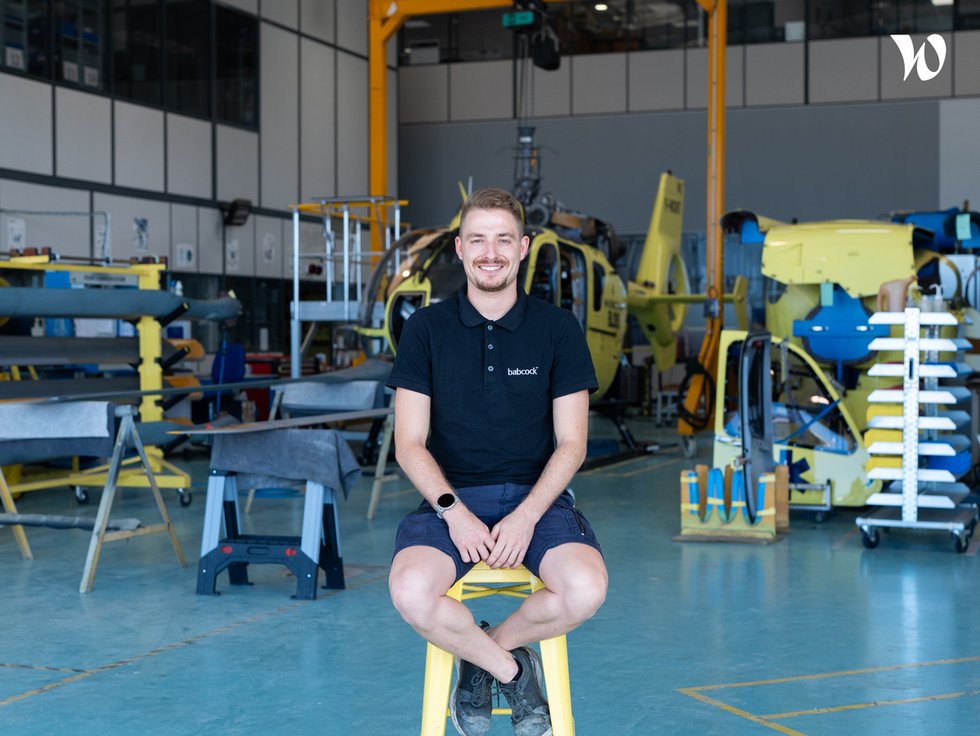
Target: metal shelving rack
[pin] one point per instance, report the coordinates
(342, 262)
(920, 497)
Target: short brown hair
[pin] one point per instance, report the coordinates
(493, 198)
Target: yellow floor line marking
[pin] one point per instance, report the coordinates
(38, 667)
(845, 673)
(693, 693)
(846, 539)
(399, 492)
(81, 675)
(645, 468)
(621, 463)
(648, 468)
(859, 706)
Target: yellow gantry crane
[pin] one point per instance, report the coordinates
(387, 16)
(698, 404)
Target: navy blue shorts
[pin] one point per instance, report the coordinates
(561, 524)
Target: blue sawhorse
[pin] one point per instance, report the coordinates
(317, 547)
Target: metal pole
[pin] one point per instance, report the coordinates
(357, 270)
(398, 233)
(327, 226)
(294, 326)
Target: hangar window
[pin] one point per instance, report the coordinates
(842, 18)
(79, 42)
(137, 58)
(188, 71)
(175, 54)
(24, 37)
(237, 67)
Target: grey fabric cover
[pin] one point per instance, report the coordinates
(34, 432)
(325, 398)
(285, 456)
(55, 421)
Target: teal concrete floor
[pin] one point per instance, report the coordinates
(811, 635)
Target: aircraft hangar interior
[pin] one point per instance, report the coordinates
(712, 271)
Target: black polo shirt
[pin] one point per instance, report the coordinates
(492, 383)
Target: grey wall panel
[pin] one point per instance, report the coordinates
(391, 52)
(316, 18)
(959, 154)
(696, 77)
(83, 136)
(188, 156)
(25, 144)
(844, 70)
(65, 235)
(481, 90)
(310, 241)
(352, 125)
(283, 12)
(774, 74)
(812, 162)
(656, 80)
(240, 249)
(598, 83)
(183, 238)
(268, 247)
(139, 147)
(210, 249)
(894, 85)
(392, 124)
(551, 91)
(966, 62)
(280, 117)
(249, 6)
(833, 161)
(140, 227)
(352, 26)
(423, 93)
(238, 163)
(318, 128)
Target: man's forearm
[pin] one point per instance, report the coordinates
(424, 472)
(557, 474)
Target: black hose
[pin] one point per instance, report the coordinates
(697, 422)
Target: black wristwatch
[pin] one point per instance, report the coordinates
(445, 502)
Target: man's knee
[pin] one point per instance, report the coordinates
(411, 594)
(415, 590)
(585, 597)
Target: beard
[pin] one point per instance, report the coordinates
(492, 282)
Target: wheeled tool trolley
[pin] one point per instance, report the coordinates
(925, 492)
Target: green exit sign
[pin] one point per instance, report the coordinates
(519, 19)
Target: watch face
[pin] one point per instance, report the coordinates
(445, 500)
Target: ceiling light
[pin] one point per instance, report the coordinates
(601, 7)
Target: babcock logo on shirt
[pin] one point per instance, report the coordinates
(522, 371)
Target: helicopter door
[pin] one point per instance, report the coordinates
(544, 282)
(573, 282)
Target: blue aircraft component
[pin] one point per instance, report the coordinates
(958, 464)
(750, 232)
(796, 469)
(838, 332)
(950, 226)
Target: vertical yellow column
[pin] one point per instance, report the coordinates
(708, 355)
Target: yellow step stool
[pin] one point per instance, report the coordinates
(518, 583)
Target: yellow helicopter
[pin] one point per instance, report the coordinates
(570, 263)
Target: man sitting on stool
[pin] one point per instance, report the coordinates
(502, 382)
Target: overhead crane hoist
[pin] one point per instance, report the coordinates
(387, 16)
